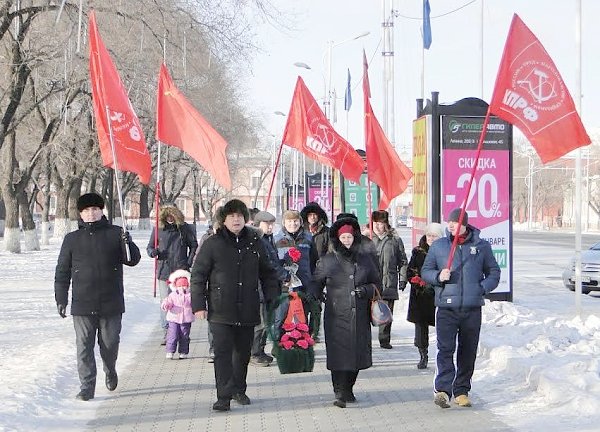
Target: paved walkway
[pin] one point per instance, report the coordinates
(176, 395)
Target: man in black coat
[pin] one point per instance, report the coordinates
(174, 250)
(91, 260)
(225, 288)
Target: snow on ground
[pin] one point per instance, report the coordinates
(538, 365)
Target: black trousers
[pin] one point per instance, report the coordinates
(108, 330)
(454, 326)
(260, 333)
(422, 335)
(232, 345)
(343, 381)
(385, 331)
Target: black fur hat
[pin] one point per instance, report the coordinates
(380, 216)
(313, 207)
(91, 199)
(233, 206)
(346, 215)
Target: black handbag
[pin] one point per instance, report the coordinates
(380, 311)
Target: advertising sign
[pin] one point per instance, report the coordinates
(488, 203)
(356, 199)
(318, 192)
(420, 169)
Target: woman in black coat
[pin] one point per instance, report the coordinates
(350, 277)
(421, 309)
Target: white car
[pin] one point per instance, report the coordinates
(590, 271)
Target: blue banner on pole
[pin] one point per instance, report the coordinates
(426, 25)
(348, 95)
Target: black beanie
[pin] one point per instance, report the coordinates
(91, 199)
(455, 215)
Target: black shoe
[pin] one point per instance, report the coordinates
(241, 398)
(349, 397)
(261, 360)
(111, 381)
(222, 405)
(85, 395)
(340, 403)
(385, 345)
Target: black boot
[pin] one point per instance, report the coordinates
(424, 359)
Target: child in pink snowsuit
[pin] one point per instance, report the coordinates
(178, 305)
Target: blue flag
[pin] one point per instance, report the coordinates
(426, 25)
(348, 95)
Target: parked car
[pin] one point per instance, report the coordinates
(590, 271)
(402, 220)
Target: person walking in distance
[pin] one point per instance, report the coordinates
(225, 280)
(91, 261)
(421, 309)
(392, 267)
(175, 250)
(459, 295)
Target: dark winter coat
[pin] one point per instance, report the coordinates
(302, 241)
(177, 243)
(269, 244)
(474, 271)
(347, 317)
(321, 239)
(91, 260)
(421, 308)
(392, 264)
(225, 278)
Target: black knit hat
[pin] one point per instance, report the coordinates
(380, 216)
(455, 215)
(313, 207)
(91, 199)
(233, 206)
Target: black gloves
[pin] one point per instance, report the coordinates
(401, 285)
(154, 253)
(126, 237)
(62, 310)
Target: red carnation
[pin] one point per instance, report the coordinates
(302, 343)
(294, 254)
(302, 327)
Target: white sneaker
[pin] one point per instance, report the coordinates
(183, 356)
(169, 356)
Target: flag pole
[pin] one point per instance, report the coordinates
(463, 206)
(156, 217)
(116, 171)
(370, 200)
(578, 281)
(274, 176)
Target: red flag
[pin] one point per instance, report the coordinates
(384, 166)
(309, 131)
(531, 94)
(108, 92)
(179, 124)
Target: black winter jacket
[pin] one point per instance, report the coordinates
(177, 246)
(347, 321)
(421, 309)
(392, 264)
(91, 260)
(225, 278)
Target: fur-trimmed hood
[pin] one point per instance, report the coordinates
(313, 207)
(179, 274)
(167, 210)
(333, 233)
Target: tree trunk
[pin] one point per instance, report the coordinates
(29, 233)
(144, 222)
(12, 232)
(2, 215)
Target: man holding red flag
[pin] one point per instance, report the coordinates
(531, 94)
(459, 296)
(119, 131)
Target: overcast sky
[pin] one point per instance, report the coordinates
(452, 65)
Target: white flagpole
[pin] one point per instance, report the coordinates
(116, 170)
(578, 290)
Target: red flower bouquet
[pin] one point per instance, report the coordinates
(291, 259)
(296, 335)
